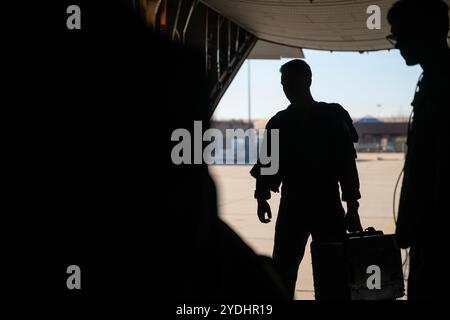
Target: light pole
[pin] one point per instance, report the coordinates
(249, 92)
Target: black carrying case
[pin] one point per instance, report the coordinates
(345, 270)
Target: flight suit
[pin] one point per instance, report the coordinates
(424, 207)
(316, 156)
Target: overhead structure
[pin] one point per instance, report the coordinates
(226, 32)
(224, 45)
(269, 50)
(336, 25)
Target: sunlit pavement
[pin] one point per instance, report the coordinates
(378, 175)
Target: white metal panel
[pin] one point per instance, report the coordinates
(269, 50)
(338, 25)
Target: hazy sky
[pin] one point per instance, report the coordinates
(357, 81)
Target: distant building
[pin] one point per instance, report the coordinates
(240, 147)
(375, 135)
(222, 125)
(387, 134)
(381, 134)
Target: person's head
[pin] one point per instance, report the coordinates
(296, 79)
(418, 28)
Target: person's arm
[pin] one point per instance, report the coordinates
(262, 191)
(263, 188)
(348, 176)
(262, 194)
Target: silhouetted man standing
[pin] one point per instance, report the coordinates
(419, 30)
(316, 153)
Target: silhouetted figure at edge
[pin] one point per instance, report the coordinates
(92, 181)
(316, 154)
(419, 30)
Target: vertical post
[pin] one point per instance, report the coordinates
(379, 109)
(218, 48)
(206, 41)
(249, 93)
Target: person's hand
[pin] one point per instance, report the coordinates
(352, 221)
(263, 208)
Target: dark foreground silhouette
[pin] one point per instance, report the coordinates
(419, 30)
(90, 180)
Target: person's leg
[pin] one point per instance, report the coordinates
(328, 224)
(415, 261)
(291, 237)
(427, 279)
(328, 233)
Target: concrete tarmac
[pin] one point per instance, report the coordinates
(378, 174)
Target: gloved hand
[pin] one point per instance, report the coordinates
(263, 208)
(352, 220)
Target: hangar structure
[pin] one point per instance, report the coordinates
(227, 32)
